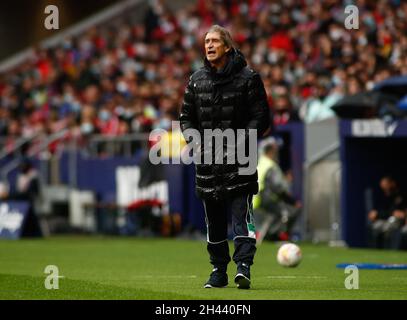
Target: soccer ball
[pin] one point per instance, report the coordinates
(289, 255)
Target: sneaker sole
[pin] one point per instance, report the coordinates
(208, 286)
(242, 281)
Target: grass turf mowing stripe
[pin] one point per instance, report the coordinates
(131, 268)
(373, 266)
(28, 287)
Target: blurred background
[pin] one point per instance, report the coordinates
(23, 21)
(77, 106)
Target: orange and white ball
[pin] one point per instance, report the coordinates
(289, 255)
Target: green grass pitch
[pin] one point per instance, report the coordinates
(149, 269)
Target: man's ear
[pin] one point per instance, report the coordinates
(228, 49)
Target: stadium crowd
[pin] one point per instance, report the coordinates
(117, 79)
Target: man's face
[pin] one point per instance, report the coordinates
(282, 103)
(387, 185)
(215, 49)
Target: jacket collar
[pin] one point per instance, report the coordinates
(235, 62)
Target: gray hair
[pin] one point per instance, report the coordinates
(224, 35)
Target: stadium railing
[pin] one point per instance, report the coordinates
(16, 148)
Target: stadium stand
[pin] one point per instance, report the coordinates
(123, 78)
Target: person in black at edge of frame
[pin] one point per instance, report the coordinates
(387, 220)
(27, 188)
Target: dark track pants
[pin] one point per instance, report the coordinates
(244, 237)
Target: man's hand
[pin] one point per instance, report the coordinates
(372, 215)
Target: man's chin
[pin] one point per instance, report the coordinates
(212, 59)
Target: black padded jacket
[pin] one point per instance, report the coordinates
(231, 98)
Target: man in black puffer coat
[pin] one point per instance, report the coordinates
(226, 94)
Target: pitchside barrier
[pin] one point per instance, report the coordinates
(122, 180)
(369, 150)
(17, 220)
(100, 176)
(116, 180)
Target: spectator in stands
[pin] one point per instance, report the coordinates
(283, 109)
(318, 106)
(388, 217)
(27, 183)
(26, 188)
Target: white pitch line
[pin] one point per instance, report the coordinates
(153, 276)
(295, 277)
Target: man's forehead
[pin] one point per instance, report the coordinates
(212, 35)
